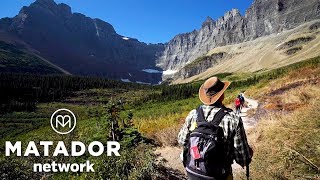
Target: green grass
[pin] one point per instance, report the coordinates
(12, 59)
(92, 125)
(153, 116)
(150, 115)
(202, 59)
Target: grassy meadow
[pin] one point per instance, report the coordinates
(148, 116)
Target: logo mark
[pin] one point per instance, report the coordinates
(63, 121)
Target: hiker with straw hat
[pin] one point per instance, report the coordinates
(213, 136)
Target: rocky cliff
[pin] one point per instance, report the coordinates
(82, 45)
(86, 46)
(264, 17)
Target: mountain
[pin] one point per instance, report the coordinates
(263, 18)
(79, 44)
(261, 54)
(15, 60)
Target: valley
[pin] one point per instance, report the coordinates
(148, 117)
(139, 94)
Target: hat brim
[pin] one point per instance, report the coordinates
(209, 100)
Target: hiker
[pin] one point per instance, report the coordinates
(241, 100)
(237, 103)
(213, 136)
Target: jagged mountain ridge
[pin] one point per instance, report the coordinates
(81, 45)
(264, 17)
(86, 46)
(262, 54)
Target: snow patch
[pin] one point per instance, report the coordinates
(151, 71)
(139, 82)
(130, 75)
(125, 38)
(125, 80)
(97, 30)
(169, 72)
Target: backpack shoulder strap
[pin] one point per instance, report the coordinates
(201, 117)
(219, 115)
(200, 113)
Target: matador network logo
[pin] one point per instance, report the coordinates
(63, 121)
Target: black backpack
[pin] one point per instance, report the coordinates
(204, 153)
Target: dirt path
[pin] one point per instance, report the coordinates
(170, 156)
(248, 123)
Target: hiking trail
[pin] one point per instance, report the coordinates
(170, 156)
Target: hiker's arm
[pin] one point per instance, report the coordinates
(185, 128)
(242, 151)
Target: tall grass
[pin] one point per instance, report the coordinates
(152, 117)
(288, 146)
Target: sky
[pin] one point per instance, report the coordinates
(150, 21)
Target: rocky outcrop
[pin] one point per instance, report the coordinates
(200, 65)
(184, 48)
(264, 17)
(82, 45)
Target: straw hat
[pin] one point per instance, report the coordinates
(211, 90)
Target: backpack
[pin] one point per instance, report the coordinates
(241, 99)
(237, 102)
(204, 152)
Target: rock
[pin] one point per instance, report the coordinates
(86, 46)
(263, 18)
(82, 45)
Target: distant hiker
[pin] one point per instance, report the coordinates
(237, 103)
(241, 100)
(213, 136)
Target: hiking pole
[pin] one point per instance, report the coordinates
(247, 168)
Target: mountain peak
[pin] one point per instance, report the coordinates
(232, 13)
(208, 22)
(45, 3)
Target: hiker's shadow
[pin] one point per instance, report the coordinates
(170, 173)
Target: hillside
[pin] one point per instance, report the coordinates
(88, 46)
(262, 54)
(52, 58)
(15, 60)
(79, 44)
(262, 18)
(151, 116)
(285, 136)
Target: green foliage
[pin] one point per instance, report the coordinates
(134, 163)
(22, 91)
(205, 59)
(11, 169)
(297, 41)
(154, 108)
(13, 59)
